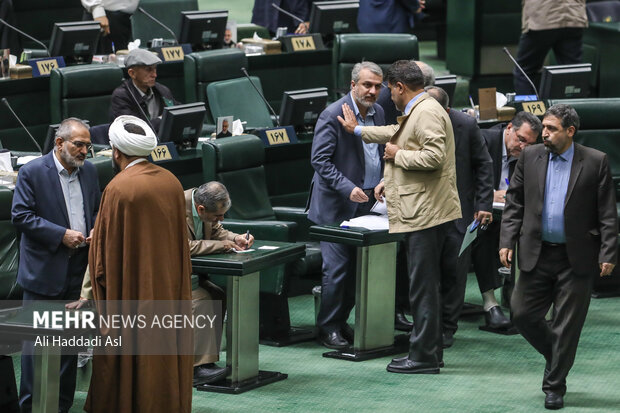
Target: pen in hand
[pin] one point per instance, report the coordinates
(247, 238)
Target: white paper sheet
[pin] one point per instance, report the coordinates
(374, 222)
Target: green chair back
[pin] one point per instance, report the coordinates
(380, 48)
(237, 97)
(166, 11)
(83, 92)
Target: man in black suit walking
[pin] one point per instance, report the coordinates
(561, 209)
(474, 181)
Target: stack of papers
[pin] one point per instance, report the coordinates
(374, 222)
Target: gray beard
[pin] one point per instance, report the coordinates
(70, 160)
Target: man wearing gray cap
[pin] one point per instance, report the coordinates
(140, 95)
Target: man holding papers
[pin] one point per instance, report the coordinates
(346, 173)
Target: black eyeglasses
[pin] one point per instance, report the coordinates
(80, 145)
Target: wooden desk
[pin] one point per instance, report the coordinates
(242, 306)
(375, 288)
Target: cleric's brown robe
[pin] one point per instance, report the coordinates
(140, 252)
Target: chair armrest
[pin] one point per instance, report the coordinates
(268, 230)
(297, 215)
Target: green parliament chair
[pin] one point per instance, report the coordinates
(167, 12)
(247, 30)
(9, 249)
(83, 92)
(381, 48)
(237, 162)
(202, 68)
(238, 98)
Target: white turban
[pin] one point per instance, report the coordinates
(132, 144)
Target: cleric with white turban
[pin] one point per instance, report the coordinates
(123, 136)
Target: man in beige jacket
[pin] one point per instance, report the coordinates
(548, 25)
(205, 208)
(422, 200)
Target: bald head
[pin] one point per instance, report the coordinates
(427, 72)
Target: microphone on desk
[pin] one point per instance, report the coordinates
(147, 14)
(273, 112)
(522, 71)
(26, 35)
(6, 103)
(288, 13)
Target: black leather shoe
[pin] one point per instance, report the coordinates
(407, 366)
(333, 340)
(554, 401)
(209, 373)
(401, 323)
(401, 359)
(348, 333)
(448, 339)
(495, 318)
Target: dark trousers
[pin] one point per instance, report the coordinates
(453, 283)
(485, 257)
(552, 281)
(68, 363)
(533, 48)
(120, 31)
(338, 282)
(428, 257)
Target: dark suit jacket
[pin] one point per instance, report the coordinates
(386, 16)
(389, 109)
(590, 217)
(474, 168)
(122, 102)
(39, 212)
(494, 139)
(338, 162)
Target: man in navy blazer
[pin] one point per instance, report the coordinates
(346, 172)
(54, 208)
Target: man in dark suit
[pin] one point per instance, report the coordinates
(561, 210)
(505, 143)
(54, 207)
(474, 182)
(346, 173)
(388, 16)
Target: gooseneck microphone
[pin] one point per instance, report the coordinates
(147, 14)
(26, 35)
(6, 103)
(522, 71)
(288, 13)
(273, 112)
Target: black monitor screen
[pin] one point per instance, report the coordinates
(301, 108)
(203, 29)
(182, 124)
(75, 41)
(565, 81)
(334, 17)
(447, 83)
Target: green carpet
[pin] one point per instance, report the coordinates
(484, 373)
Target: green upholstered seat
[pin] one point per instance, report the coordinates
(83, 92)
(247, 30)
(9, 249)
(237, 162)
(237, 97)
(381, 48)
(202, 68)
(167, 12)
(105, 171)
